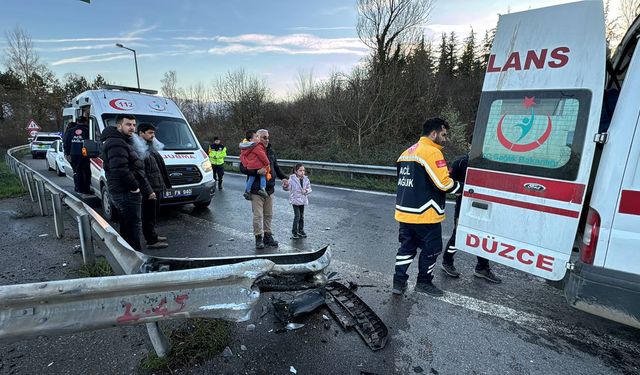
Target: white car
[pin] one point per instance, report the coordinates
(55, 158)
(41, 143)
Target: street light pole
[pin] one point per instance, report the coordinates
(135, 59)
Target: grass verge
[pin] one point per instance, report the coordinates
(9, 183)
(99, 269)
(195, 341)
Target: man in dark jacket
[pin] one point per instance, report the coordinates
(459, 172)
(74, 136)
(147, 147)
(263, 207)
(126, 180)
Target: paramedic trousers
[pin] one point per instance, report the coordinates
(450, 251)
(262, 214)
(427, 237)
(129, 207)
(149, 211)
(81, 174)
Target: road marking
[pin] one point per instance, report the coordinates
(380, 193)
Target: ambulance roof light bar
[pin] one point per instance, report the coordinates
(125, 88)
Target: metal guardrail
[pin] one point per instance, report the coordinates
(334, 167)
(224, 288)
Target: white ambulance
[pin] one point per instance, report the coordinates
(188, 165)
(552, 188)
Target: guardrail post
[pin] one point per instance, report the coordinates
(40, 193)
(56, 201)
(86, 241)
(21, 177)
(32, 189)
(160, 342)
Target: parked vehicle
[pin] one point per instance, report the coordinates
(55, 158)
(553, 185)
(187, 163)
(41, 143)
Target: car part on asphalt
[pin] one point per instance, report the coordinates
(367, 323)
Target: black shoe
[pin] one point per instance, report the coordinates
(259, 242)
(219, 187)
(429, 289)
(158, 245)
(487, 275)
(450, 270)
(295, 236)
(269, 240)
(399, 287)
(302, 234)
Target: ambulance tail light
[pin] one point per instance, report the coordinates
(590, 237)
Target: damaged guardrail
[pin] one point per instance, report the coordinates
(333, 167)
(225, 288)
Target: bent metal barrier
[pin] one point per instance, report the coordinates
(333, 167)
(151, 289)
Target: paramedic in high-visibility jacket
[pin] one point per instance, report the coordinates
(423, 183)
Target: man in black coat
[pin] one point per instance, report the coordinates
(74, 136)
(147, 147)
(458, 172)
(126, 180)
(263, 207)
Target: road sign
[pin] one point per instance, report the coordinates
(32, 133)
(33, 125)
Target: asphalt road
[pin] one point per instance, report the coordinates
(522, 326)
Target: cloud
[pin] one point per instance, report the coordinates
(309, 28)
(102, 57)
(291, 44)
(97, 39)
(244, 49)
(88, 47)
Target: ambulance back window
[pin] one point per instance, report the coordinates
(537, 133)
(173, 132)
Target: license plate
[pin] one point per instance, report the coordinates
(174, 193)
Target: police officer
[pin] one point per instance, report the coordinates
(423, 183)
(73, 138)
(217, 153)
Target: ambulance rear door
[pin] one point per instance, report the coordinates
(533, 146)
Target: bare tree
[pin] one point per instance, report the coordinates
(170, 87)
(21, 58)
(242, 97)
(389, 26)
(629, 10)
(306, 86)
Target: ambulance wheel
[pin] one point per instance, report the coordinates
(109, 211)
(202, 205)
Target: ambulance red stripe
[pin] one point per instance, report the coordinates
(556, 190)
(630, 202)
(97, 162)
(526, 205)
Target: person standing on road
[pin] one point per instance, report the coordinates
(423, 183)
(147, 146)
(253, 155)
(299, 189)
(262, 207)
(126, 180)
(73, 138)
(217, 153)
(482, 270)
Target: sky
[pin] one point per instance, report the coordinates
(276, 40)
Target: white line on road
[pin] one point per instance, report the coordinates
(509, 314)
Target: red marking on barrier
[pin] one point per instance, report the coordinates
(161, 310)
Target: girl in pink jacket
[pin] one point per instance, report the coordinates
(299, 190)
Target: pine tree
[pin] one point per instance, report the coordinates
(467, 65)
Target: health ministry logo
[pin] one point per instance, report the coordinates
(525, 124)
